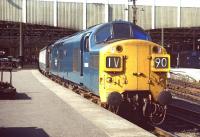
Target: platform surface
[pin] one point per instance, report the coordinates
(43, 108)
(191, 72)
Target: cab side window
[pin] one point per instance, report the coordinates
(86, 43)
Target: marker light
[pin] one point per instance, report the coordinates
(119, 48)
(156, 49)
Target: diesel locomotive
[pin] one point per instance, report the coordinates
(116, 61)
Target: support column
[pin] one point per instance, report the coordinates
(1, 75)
(24, 11)
(20, 39)
(162, 37)
(134, 12)
(153, 15)
(84, 14)
(106, 12)
(10, 77)
(55, 8)
(179, 14)
(126, 10)
(194, 40)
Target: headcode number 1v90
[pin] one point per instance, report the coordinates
(161, 62)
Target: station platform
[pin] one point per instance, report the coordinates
(43, 108)
(191, 72)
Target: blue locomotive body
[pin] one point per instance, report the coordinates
(71, 59)
(117, 62)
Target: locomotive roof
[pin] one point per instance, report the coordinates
(93, 30)
(95, 27)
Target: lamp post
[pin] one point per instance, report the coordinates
(134, 11)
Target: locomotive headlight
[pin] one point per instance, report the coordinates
(119, 48)
(157, 49)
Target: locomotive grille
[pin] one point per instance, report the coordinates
(94, 61)
(76, 59)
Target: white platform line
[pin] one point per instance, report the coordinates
(111, 124)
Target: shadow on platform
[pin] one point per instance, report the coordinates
(22, 132)
(14, 96)
(22, 96)
(29, 67)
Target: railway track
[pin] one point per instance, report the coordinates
(162, 133)
(182, 121)
(185, 114)
(185, 89)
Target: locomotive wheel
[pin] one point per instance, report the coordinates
(114, 109)
(158, 116)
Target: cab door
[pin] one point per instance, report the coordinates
(143, 68)
(84, 70)
(84, 53)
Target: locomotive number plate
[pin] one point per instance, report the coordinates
(113, 62)
(161, 62)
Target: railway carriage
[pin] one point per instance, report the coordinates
(44, 59)
(117, 62)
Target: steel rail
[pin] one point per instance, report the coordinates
(187, 115)
(161, 132)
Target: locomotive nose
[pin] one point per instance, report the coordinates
(114, 99)
(165, 98)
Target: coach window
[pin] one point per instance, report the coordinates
(103, 34)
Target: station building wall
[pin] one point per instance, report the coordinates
(70, 15)
(95, 14)
(81, 14)
(9, 12)
(165, 17)
(143, 16)
(116, 12)
(190, 16)
(39, 12)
